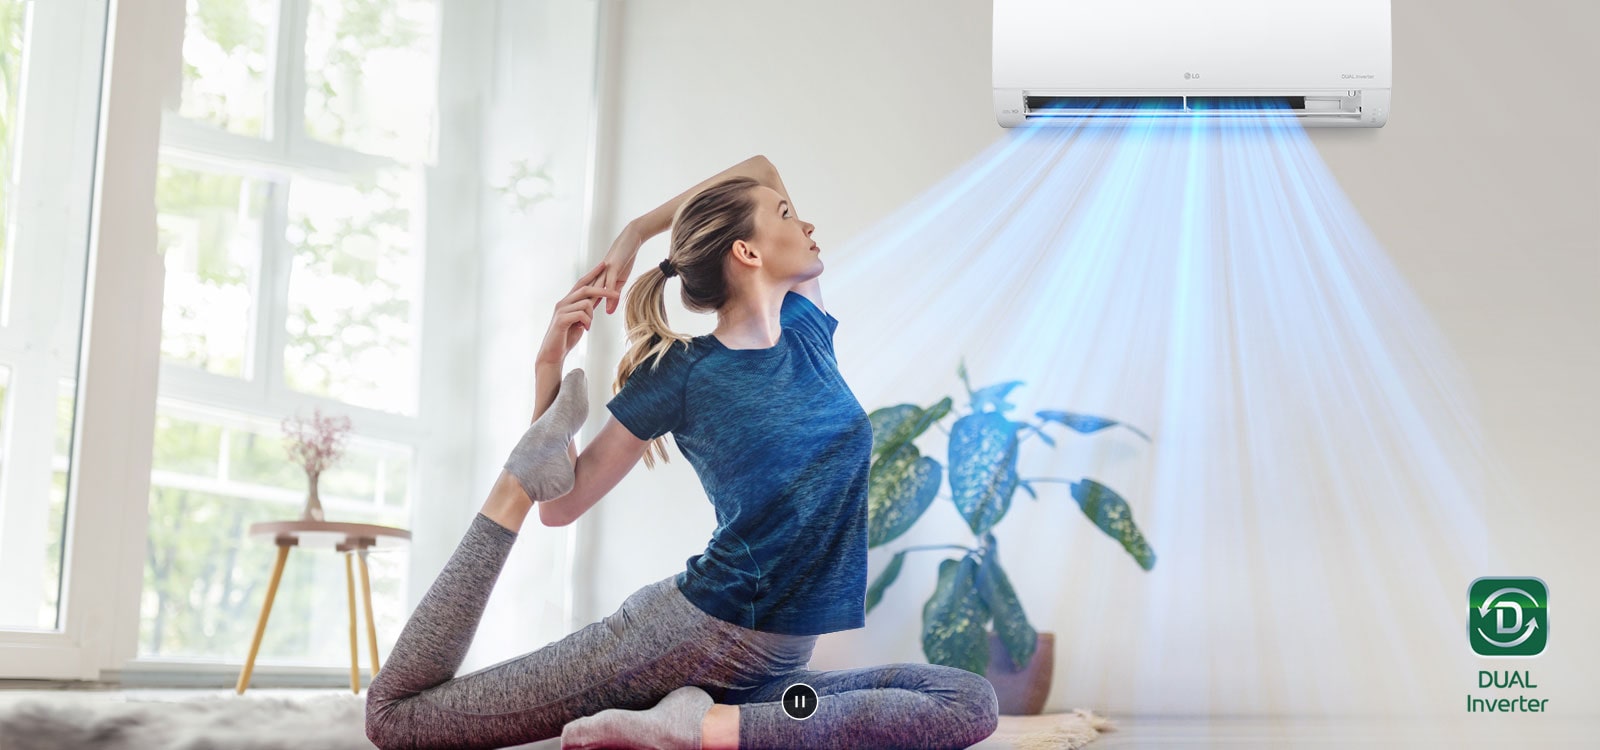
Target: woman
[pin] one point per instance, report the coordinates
(782, 448)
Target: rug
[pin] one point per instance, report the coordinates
(1067, 732)
(333, 722)
(238, 723)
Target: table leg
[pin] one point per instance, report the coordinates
(355, 664)
(261, 624)
(372, 629)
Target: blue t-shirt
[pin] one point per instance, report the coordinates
(782, 448)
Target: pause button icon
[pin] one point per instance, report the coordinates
(799, 701)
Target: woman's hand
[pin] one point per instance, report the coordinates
(574, 315)
(619, 263)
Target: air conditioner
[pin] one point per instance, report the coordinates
(1075, 62)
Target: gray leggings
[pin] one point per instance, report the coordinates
(656, 642)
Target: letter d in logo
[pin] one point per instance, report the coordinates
(1508, 616)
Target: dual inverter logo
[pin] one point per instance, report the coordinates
(1508, 616)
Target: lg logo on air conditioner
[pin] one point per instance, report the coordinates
(1190, 76)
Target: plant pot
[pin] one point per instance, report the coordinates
(1022, 692)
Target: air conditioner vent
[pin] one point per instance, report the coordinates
(1298, 106)
(1103, 103)
(1198, 103)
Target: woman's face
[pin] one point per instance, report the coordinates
(782, 240)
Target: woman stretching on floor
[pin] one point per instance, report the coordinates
(782, 447)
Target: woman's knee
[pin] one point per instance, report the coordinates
(976, 704)
(985, 708)
(382, 725)
(379, 734)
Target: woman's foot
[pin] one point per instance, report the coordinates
(674, 724)
(540, 462)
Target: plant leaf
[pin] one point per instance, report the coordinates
(983, 468)
(900, 487)
(1050, 441)
(887, 425)
(1086, 423)
(1110, 512)
(881, 583)
(1010, 622)
(894, 425)
(955, 620)
(994, 397)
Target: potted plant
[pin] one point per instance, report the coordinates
(974, 589)
(314, 445)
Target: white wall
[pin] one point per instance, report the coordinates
(702, 86)
(535, 109)
(1489, 214)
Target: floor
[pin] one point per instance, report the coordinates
(1531, 731)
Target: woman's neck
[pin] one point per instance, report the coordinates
(753, 321)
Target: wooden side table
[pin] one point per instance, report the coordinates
(349, 539)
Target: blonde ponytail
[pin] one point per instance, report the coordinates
(648, 338)
(704, 229)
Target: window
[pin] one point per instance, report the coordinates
(353, 299)
(363, 62)
(13, 24)
(213, 474)
(228, 56)
(210, 234)
(50, 55)
(290, 209)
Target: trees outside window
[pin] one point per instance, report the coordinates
(290, 213)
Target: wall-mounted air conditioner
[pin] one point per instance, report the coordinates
(1073, 62)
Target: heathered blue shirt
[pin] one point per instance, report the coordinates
(782, 448)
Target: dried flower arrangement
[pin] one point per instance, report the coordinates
(315, 445)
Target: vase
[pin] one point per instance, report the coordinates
(1022, 692)
(313, 511)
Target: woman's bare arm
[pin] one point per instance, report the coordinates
(603, 464)
(659, 219)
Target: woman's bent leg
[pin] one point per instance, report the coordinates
(654, 644)
(890, 706)
(435, 640)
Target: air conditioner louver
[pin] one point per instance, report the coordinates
(1301, 106)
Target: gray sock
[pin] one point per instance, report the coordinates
(674, 724)
(540, 462)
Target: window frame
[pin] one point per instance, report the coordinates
(117, 351)
(118, 358)
(283, 153)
